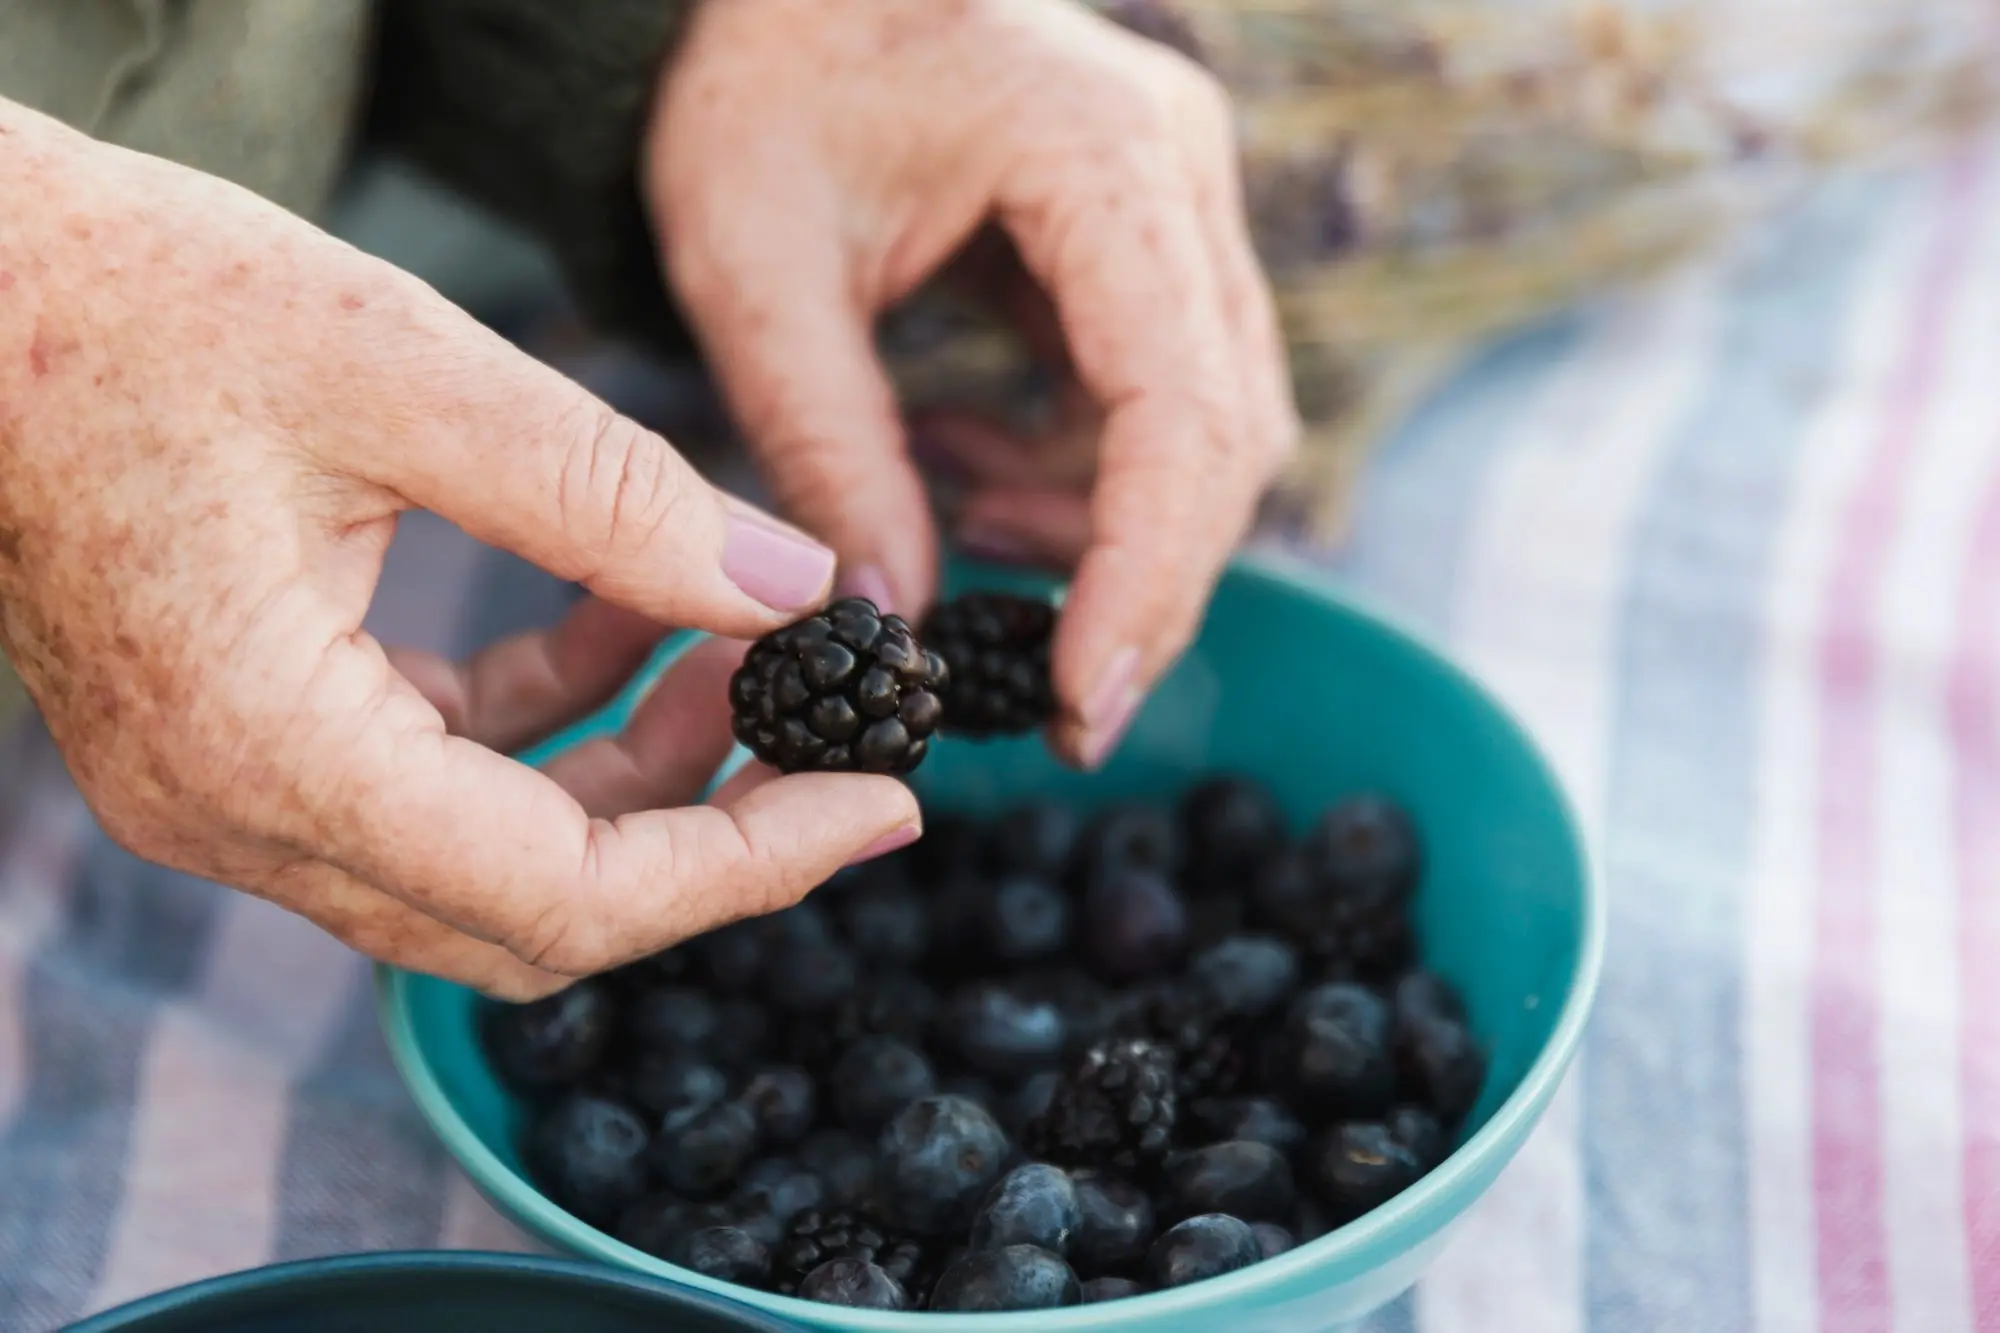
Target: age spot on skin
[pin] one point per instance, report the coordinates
(349, 301)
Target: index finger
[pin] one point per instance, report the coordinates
(1122, 252)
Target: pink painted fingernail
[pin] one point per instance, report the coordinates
(779, 566)
(888, 842)
(1110, 708)
(869, 581)
(992, 544)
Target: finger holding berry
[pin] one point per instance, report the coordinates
(812, 162)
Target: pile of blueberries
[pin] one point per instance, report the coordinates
(1028, 1062)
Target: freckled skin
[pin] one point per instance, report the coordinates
(211, 415)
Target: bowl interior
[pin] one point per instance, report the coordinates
(424, 1293)
(1319, 700)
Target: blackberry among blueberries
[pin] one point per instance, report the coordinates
(847, 690)
(1114, 1110)
(996, 651)
(819, 1237)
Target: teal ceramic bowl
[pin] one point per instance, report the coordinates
(432, 1293)
(1295, 685)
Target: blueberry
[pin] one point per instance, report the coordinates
(1201, 1248)
(1027, 920)
(1101, 1289)
(732, 957)
(1439, 1058)
(1086, 1005)
(1019, 1277)
(1126, 837)
(1232, 825)
(855, 1283)
(785, 1103)
(1340, 1046)
(887, 923)
(1272, 1239)
(591, 1154)
(809, 977)
(1134, 923)
(553, 1041)
(673, 1020)
(1032, 1205)
(742, 1035)
(1365, 852)
(1420, 1132)
(1286, 895)
(727, 1254)
(1030, 1101)
(773, 1192)
(998, 1032)
(1251, 1181)
(875, 1078)
(1255, 1119)
(937, 1159)
(659, 1223)
(706, 1154)
(675, 1088)
(844, 1164)
(951, 846)
(1421, 996)
(1247, 976)
(1362, 1165)
(1034, 839)
(1115, 1223)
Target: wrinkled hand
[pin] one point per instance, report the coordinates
(210, 417)
(813, 161)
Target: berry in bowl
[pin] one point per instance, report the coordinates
(1225, 1035)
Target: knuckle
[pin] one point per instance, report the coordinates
(621, 486)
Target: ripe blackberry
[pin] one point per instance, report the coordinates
(1214, 1055)
(996, 647)
(1114, 1110)
(847, 690)
(820, 1236)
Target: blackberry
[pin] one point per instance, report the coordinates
(847, 690)
(1115, 1110)
(820, 1236)
(996, 649)
(1214, 1056)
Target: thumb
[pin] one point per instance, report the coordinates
(790, 344)
(523, 458)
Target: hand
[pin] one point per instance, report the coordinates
(210, 417)
(811, 162)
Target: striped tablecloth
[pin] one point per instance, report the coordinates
(1731, 547)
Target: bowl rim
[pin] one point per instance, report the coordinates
(1512, 1119)
(340, 1267)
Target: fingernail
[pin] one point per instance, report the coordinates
(869, 581)
(888, 842)
(780, 567)
(992, 544)
(1110, 708)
